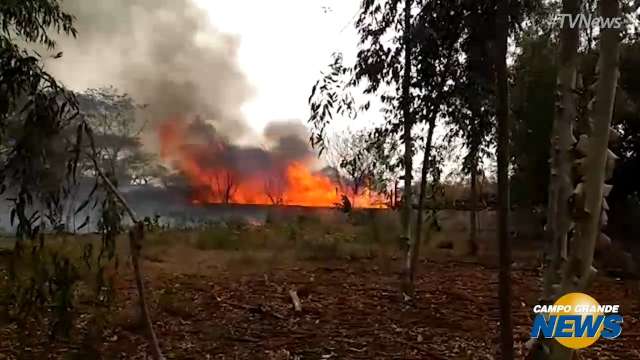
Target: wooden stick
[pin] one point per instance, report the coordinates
(296, 300)
(136, 235)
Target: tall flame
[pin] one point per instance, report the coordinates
(289, 183)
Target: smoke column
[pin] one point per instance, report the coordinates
(164, 53)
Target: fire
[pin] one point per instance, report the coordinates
(220, 181)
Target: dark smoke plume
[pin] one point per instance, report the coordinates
(166, 54)
(211, 150)
(162, 52)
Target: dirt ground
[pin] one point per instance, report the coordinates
(204, 309)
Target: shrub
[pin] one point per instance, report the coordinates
(218, 238)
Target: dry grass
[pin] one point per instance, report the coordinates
(241, 245)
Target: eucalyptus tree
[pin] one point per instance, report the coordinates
(624, 199)
(38, 162)
(349, 154)
(579, 168)
(476, 94)
(533, 97)
(34, 108)
(408, 57)
(473, 123)
(385, 63)
(439, 66)
(502, 114)
(115, 119)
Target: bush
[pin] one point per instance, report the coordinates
(323, 248)
(237, 223)
(218, 238)
(380, 229)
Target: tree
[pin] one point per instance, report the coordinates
(438, 68)
(533, 101)
(502, 112)
(383, 66)
(350, 155)
(625, 195)
(387, 158)
(274, 188)
(562, 140)
(38, 163)
(473, 121)
(222, 184)
(407, 124)
(34, 110)
(113, 117)
(593, 164)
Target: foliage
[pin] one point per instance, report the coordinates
(218, 238)
(116, 132)
(36, 164)
(329, 96)
(42, 150)
(533, 106)
(349, 154)
(623, 199)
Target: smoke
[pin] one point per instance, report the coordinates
(199, 141)
(167, 55)
(288, 139)
(162, 52)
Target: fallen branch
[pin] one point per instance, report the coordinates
(297, 306)
(136, 235)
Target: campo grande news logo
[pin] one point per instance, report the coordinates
(576, 320)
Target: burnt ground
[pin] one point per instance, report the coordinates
(350, 310)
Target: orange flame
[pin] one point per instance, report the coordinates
(295, 184)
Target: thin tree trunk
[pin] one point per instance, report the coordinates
(408, 146)
(136, 235)
(473, 214)
(562, 142)
(395, 194)
(415, 253)
(506, 327)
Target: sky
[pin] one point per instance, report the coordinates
(283, 46)
(244, 64)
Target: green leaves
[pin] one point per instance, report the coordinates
(30, 20)
(330, 96)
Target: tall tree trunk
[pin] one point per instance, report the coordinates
(394, 200)
(593, 170)
(408, 147)
(473, 152)
(415, 252)
(598, 162)
(560, 179)
(562, 142)
(473, 214)
(504, 247)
